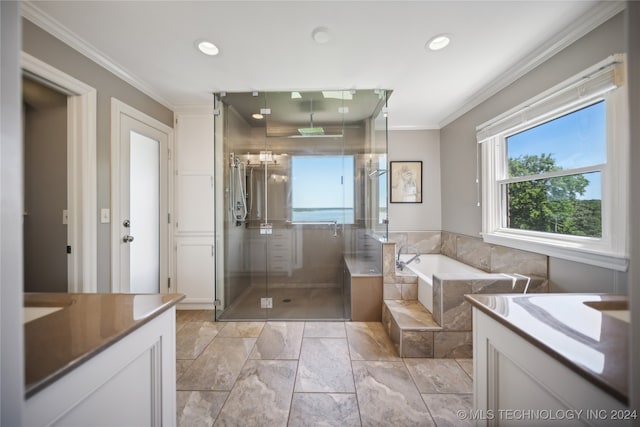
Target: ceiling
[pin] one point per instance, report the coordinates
(267, 46)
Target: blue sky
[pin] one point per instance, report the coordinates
(574, 140)
(316, 181)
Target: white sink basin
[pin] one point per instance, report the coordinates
(33, 313)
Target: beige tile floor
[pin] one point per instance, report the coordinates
(310, 374)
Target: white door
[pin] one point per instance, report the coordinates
(140, 214)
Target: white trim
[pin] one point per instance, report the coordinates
(118, 109)
(611, 251)
(34, 14)
(81, 173)
(596, 16)
(582, 89)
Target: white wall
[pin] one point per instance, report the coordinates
(11, 340)
(415, 145)
(633, 40)
(460, 213)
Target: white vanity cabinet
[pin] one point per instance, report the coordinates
(520, 381)
(194, 207)
(112, 362)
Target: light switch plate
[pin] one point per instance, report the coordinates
(105, 216)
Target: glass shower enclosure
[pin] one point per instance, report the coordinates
(300, 186)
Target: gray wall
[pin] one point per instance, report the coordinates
(45, 183)
(418, 145)
(460, 213)
(11, 330)
(45, 47)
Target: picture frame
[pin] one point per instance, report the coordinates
(405, 181)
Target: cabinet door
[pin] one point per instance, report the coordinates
(194, 143)
(195, 203)
(195, 269)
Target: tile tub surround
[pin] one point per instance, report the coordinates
(576, 327)
(452, 313)
(345, 374)
(427, 242)
(493, 258)
(468, 250)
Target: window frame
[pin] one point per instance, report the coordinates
(611, 250)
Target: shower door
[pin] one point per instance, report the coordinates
(290, 201)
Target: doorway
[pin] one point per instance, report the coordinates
(140, 183)
(45, 213)
(81, 171)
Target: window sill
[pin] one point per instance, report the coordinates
(557, 249)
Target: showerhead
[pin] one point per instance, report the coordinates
(311, 130)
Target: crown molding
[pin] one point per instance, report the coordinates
(595, 17)
(195, 109)
(38, 17)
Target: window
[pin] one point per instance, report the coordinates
(555, 172)
(322, 189)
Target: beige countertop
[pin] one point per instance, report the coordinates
(361, 267)
(72, 328)
(568, 327)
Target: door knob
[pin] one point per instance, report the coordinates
(127, 239)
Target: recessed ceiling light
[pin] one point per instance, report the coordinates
(439, 42)
(320, 35)
(257, 116)
(208, 48)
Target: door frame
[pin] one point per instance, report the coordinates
(119, 108)
(82, 230)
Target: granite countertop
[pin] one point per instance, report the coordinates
(75, 327)
(569, 329)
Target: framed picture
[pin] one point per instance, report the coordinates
(406, 182)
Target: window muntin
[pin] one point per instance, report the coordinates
(552, 179)
(322, 189)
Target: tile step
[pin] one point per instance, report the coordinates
(411, 327)
(411, 315)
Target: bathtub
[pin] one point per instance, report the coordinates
(431, 264)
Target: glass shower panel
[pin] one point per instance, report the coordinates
(241, 249)
(307, 206)
(293, 199)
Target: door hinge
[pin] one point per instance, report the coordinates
(217, 303)
(68, 249)
(168, 282)
(168, 218)
(169, 153)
